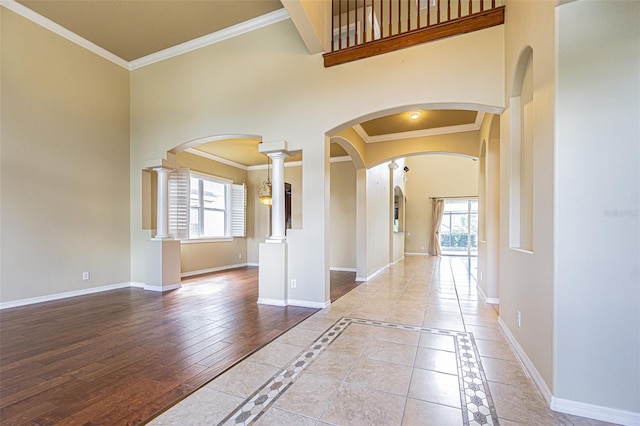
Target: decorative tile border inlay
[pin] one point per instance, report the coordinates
(477, 406)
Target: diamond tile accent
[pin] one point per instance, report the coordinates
(477, 406)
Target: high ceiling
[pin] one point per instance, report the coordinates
(132, 29)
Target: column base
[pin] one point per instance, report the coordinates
(163, 265)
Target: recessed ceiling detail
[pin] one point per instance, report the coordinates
(131, 29)
(427, 120)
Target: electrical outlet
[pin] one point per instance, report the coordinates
(85, 276)
(421, 247)
(240, 256)
(519, 318)
(293, 283)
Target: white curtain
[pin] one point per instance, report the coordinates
(437, 208)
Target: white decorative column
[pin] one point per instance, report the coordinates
(278, 224)
(162, 210)
(273, 255)
(163, 252)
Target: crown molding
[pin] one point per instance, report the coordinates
(213, 38)
(207, 40)
(47, 23)
(421, 133)
(216, 158)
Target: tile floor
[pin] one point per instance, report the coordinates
(413, 346)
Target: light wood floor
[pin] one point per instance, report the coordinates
(122, 356)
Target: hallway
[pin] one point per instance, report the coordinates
(403, 348)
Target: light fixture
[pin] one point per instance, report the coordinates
(415, 115)
(265, 191)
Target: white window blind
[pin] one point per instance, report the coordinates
(179, 204)
(238, 210)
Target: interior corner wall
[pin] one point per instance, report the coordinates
(343, 215)
(65, 165)
(526, 277)
(434, 175)
(598, 208)
(378, 218)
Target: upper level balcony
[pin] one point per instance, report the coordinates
(364, 28)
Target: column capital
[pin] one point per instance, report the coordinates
(161, 163)
(278, 155)
(273, 147)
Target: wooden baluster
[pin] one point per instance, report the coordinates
(408, 15)
(390, 20)
(428, 3)
(438, 11)
(418, 9)
(448, 10)
(339, 24)
(470, 7)
(481, 5)
(459, 8)
(348, 19)
(399, 17)
(493, 4)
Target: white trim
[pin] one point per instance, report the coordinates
(253, 264)
(67, 294)
(207, 240)
(376, 273)
(265, 166)
(208, 156)
(567, 406)
(213, 38)
(210, 270)
(402, 258)
(207, 40)
(489, 300)
(341, 269)
(605, 414)
(531, 369)
(137, 285)
(63, 32)
(307, 304)
(162, 289)
(273, 302)
(416, 254)
(342, 159)
(471, 127)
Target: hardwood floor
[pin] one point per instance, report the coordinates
(122, 356)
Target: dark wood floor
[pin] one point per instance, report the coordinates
(120, 357)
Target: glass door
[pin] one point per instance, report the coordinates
(459, 227)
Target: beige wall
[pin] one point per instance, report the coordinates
(434, 175)
(597, 321)
(343, 215)
(65, 165)
(201, 257)
(526, 278)
(210, 95)
(378, 218)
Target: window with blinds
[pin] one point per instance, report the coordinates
(205, 207)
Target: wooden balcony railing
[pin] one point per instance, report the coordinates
(364, 28)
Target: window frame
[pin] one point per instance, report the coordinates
(201, 177)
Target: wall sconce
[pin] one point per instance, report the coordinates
(265, 192)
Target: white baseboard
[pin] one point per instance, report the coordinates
(210, 270)
(376, 273)
(605, 414)
(360, 279)
(340, 269)
(253, 264)
(489, 300)
(307, 304)
(57, 296)
(402, 258)
(137, 285)
(163, 288)
(416, 254)
(531, 369)
(273, 302)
